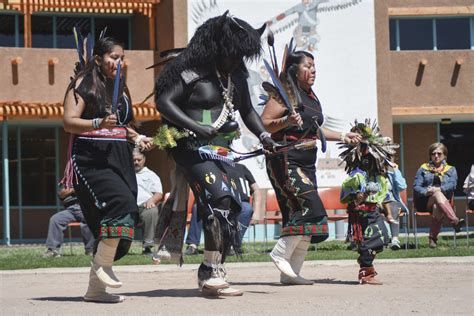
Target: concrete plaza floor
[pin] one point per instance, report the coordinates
(434, 286)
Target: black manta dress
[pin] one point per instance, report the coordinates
(105, 180)
(293, 176)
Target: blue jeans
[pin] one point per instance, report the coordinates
(58, 224)
(195, 227)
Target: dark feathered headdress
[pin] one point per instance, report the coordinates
(218, 37)
(380, 148)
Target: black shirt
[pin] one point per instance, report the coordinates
(246, 180)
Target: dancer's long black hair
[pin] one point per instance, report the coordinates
(292, 62)
(217, 38)
(93, 86)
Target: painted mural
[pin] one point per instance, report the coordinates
(341, 36)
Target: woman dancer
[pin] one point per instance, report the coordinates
(101, 169)
(293, 173)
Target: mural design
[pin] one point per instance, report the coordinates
(306, 22)
(298, 19)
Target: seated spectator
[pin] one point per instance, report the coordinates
(393, 203)
(469, 188)
(247, 186)
(150, 193)
(434, 186)
(58, 223)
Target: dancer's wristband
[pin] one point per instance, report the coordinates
(138, 139)
(343, 137)
(96, 123)
(264, 135)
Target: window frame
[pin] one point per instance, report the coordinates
(92, 17)
(434, 21)
(461, 176)
(15, 128)
(17, 25)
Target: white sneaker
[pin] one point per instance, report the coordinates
(395, 244)
(163, 253)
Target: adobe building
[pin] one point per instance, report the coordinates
(425, 87)
(425, 82)
(37, 59)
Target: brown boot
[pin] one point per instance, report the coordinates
(367, 276)
(448, 211)
(435, 228)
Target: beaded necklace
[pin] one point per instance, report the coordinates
(227, 94)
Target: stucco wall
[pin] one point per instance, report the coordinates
(435, 88)
(34, 76)
(397, 84)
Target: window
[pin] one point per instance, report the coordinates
(12, 167)
(453, 33)
(42, 31)
(117, 28)
(36, 158)
(38, 166)
(64, 26)
(393, 34)
(416, 34)
(11, 30)
(459, 139)
(438, 33)
(55, 31)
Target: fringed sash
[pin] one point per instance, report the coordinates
(70, 175)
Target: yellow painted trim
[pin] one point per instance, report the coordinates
(432, 110)
(36, 110)
(457, 10)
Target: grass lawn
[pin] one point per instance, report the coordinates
(29, 257)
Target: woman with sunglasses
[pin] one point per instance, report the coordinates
(434, 186)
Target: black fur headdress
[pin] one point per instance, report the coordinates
(218, 37)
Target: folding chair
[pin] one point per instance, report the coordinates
(468, 212)
(403, 216)
(69, 228)
(425, 213)
(331, 198)
(189, 211)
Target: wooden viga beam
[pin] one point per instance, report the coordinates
(146, 112)
(144, 7)
(19, 110)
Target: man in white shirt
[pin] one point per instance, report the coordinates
(150, 193)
